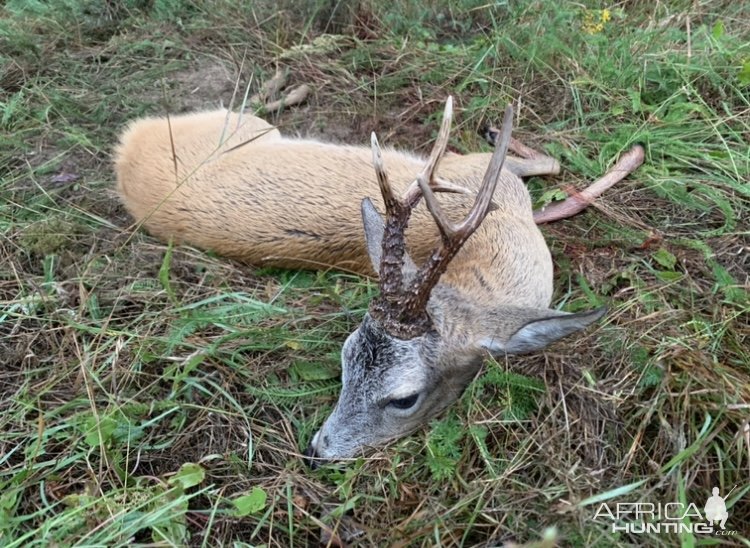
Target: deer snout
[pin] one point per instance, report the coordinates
(311, 458)
(311, 455)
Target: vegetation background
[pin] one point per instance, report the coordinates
(153, 395)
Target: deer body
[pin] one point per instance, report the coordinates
(296, 203)
(234, 185)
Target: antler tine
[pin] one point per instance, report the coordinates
(491, 177)
(396, 218)
(427, 175)
(380, 172)
(484, 197)
(441, 143)
(454, 236)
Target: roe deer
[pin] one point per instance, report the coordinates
(233, 184)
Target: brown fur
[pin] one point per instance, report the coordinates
(270, 200)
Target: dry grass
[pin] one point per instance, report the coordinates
(123, 360)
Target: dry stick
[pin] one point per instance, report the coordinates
(628, 162)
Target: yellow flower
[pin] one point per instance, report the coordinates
(593, 20)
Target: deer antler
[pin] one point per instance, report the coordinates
(402, 309)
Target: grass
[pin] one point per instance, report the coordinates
(152, 394)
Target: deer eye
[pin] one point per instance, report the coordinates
(404, 403)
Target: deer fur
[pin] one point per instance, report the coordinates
(232, 184)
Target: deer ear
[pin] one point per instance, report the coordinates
(374, 230)
(538, 333)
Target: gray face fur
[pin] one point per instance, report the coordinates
(390, 388)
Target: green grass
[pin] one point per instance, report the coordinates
(151, 394)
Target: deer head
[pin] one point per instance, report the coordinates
(420, 343)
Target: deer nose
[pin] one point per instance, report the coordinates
(311, 458)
